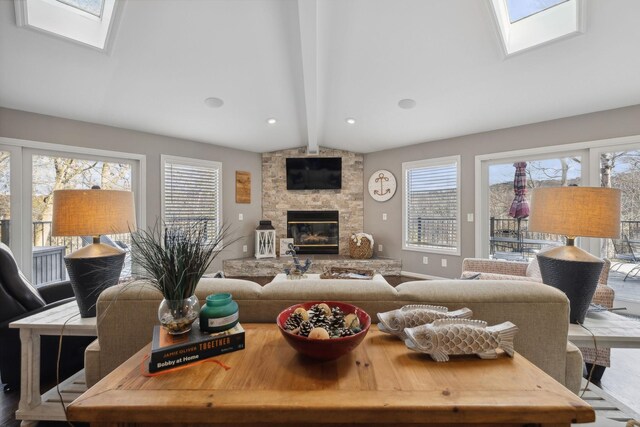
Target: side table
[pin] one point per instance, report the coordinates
(610, 330)
(34, 407)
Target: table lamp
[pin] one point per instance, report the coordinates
(574, 212)
(97, 266)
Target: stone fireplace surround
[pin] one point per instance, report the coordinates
(348, 201)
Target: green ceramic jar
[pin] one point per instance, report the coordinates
(219, 313)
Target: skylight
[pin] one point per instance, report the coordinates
(520, 9)
(87, 22)
(524, 24)
(93, 7)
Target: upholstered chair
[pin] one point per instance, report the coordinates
(493, 269)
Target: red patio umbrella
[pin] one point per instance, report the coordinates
(519, 207)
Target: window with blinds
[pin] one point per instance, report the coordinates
(432, 205)
(191, 191)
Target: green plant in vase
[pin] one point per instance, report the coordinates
(173, 258)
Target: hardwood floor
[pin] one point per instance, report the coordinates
(622, 379)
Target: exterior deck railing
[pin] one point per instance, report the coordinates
(503, 236)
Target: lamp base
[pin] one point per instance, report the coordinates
(577, 277)
(90, 276)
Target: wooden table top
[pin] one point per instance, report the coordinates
(52, 321)
(609, 330)
(381, 382)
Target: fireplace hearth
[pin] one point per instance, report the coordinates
(314, 232)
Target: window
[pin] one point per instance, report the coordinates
(191, 191)
(5, 197)
(93, 7)
(88, 22)
(524, 24)
(53, 172)
(509, 237)
(431, 205)
(521, 9)
(35, 170)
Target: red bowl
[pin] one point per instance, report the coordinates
(328, 349)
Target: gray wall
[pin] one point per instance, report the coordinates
(588, 127)
(36, 127)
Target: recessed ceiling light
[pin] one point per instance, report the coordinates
(271, 121)
(407, 103)
(350, 120)
(214, 102)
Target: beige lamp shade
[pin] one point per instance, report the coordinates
(576, 211)
(92, 212)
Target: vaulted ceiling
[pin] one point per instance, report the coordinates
(312, 64)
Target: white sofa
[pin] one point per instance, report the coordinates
(127, 314)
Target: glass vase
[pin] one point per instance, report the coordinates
(176, 316)
(219, 313)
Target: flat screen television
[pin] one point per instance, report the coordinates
(314, 173)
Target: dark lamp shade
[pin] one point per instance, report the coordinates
(92, 212)
(576, 211)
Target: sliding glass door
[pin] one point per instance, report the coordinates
(508, 236)
(53, 171)
(29, 174)
(611, 163)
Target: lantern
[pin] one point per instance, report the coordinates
(265, 240)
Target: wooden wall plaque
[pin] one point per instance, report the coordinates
(243, 187)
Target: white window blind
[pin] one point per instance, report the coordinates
(191, 192)
(431, 208)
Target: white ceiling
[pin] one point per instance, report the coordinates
(169, 55)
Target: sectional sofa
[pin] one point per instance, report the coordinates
(127, 313)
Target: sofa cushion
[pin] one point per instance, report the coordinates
(238, 288)
(533, 269)
(330, 290)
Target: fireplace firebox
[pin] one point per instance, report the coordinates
(314, 232)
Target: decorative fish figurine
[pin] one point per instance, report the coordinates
(461, 336)
(395, 321)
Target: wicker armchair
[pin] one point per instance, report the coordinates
(490, 269)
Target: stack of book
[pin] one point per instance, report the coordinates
(170, 351)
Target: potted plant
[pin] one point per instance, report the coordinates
(173, 258)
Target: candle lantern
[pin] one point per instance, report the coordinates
(265, 240)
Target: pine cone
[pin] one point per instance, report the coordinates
(336, 323)
(337, 313)
(320, 321)
(305, 328)
(314, 311)
(346, 332)
(293, 321)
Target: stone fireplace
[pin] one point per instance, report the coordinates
(314, 232)
(348, 201)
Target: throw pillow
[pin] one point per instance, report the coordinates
(533, 269)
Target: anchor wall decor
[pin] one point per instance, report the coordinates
(382, 185)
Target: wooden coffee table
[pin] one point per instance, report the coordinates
(380, 383)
